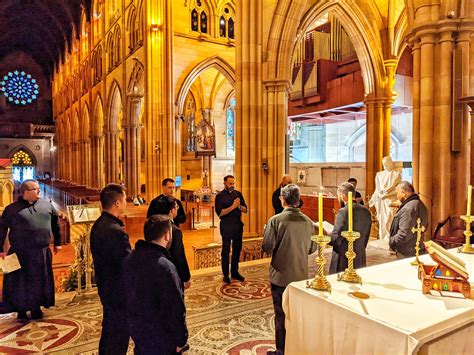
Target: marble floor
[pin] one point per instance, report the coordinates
(222, 319)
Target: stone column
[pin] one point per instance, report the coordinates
(416, 110)
(132, 146)
(162, 159)
(378, 118)
(86, 163)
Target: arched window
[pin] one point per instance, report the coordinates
(117, 45)
(222, 26)
(203, 22)
(111, 52)
(191, 124)
(230, 25)
(23, 167)
(194, 21)
(230, 119)
(99, 63)
(140, 24)
(132, 30)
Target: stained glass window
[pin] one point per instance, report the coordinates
(222, 26)
(231, 28)
(194, 21)
(19, 88)
(203, 22)
(231, 127)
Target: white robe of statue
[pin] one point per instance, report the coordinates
(385, 183)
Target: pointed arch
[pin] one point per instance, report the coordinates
(114, 107)
(27, 150)
(98, 117)
(213, 62)
(75, 130)
(136, 84)
(280, 51)
(85, 122)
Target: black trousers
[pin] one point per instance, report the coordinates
(280, 331)
(231, 234)
(115, 335)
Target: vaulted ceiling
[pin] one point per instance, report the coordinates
(42, 28)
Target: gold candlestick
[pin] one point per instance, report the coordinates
(467, 247)
(418, 230)
(350, 275)
(320, 281)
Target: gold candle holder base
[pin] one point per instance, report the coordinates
(467, 247)
(350, 275)
(320, 281)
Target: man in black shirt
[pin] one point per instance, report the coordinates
(169, 188)
(167, 206)
(229, 207)
(276, 202)
(358, 196)
(109, 246)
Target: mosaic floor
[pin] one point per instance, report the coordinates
(222, 319)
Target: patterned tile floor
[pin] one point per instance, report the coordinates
(222, 319)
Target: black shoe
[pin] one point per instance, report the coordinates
(37, 314)
(226, 279)
(22, 317)
(238, 277)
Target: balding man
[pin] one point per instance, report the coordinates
(402, 239)
(29, 224)
(276, 202)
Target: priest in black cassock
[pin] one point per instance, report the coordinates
(29, 224)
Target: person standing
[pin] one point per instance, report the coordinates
(402, 239)
(155, 300)
(29, 224)
(169, 188)
(358, 196)
(230, 205)
(167, 206)
(109, 246)
(287, 237)
(276, 203)
(362, 221)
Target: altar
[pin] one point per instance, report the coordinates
(396, 318)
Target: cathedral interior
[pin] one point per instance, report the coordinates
(135, 91)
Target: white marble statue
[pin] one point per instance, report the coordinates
(385, 183)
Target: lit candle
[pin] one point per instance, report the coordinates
(350, 210)
(469, 194)
(320, 213)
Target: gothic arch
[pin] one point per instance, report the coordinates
(85, 122)
(114, 106)
(136, 84)
(26, 150)
(98, 117)
(293, 24)
(213, 62)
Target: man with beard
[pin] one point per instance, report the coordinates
(29, 223)
(230, 205)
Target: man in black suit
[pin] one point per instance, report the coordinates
(155, 299)
(169, 188)
(109, 246)
(167, 206)
(361, 223)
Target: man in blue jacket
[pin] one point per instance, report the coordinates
(155, 300)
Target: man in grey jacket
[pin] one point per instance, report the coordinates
(402, 239)
(287, 237)
(362, 222)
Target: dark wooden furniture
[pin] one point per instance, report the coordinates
(450, 232)
(330, 207)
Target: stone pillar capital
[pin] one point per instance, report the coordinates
(469, 101)
(135, 97)
(372, 99)
(277, 85)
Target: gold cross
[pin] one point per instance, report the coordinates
(420, 229)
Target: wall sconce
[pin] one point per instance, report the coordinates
(156, 27)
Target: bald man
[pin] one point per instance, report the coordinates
(276, 202)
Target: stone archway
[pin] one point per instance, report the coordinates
(113, 129)
(97, 144)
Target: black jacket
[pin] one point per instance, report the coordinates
(109, 247)
(155, 301)
(180, 218)
(362, 221)
(178, 255)
(276, 203)
(402, 239)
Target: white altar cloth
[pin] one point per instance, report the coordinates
(396, 319)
